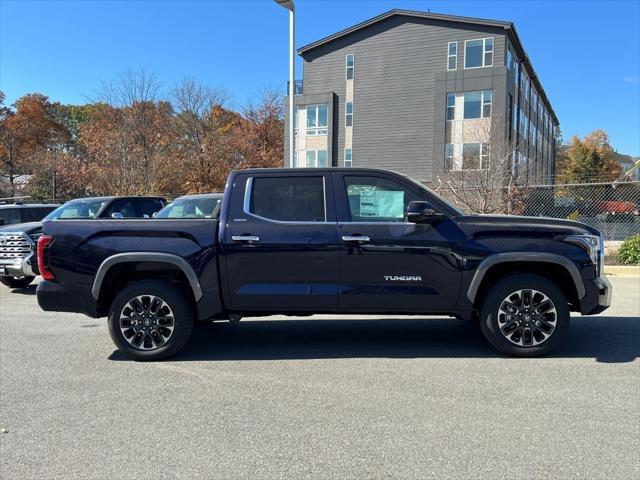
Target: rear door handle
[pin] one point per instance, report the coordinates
(355, 238)
(245, 238)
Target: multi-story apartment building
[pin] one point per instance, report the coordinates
(422, 94)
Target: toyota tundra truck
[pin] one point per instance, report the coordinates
(332, 241)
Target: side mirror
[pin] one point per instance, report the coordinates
(422, 212)
(117, 215)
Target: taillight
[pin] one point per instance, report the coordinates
(43, 243)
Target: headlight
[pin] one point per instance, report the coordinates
(593, 246)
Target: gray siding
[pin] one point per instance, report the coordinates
(396, 63)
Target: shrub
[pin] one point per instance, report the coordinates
(629, 252)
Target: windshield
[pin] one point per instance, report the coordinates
(76, 209)
(204, 207)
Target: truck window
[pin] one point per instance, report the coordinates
(124, 206)
(35, 214)
(375, 199)
(10, 215)
(289, 199)
(148, 206)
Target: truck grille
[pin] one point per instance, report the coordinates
(14, 245)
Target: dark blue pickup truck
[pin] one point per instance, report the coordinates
(304, 241)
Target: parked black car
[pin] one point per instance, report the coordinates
(18, 262)
(340, 240)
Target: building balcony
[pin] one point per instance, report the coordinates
(297, 87)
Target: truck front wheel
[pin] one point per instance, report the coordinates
(525, 315)
(150, 320)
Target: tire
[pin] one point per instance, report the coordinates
(17, 282)
(514, 329)
(145, 329)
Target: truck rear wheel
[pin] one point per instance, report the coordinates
(17, 282)
(525, 315)
(150, 320)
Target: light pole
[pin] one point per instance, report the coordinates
(288, 4)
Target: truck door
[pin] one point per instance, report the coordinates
(387, 264)
(280, 243)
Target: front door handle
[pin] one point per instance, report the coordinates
(245, 238)
(355, 238)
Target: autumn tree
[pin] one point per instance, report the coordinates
(587, 160)
(207, 135)
(129, 138)
(263, 132)
(27, 135)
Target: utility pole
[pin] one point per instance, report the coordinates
(288, 4)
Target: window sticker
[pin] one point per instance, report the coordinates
(387, 204)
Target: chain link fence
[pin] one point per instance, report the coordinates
(613, 208)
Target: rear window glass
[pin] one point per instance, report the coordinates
(35, 214)
(289, 199)
(10, 215)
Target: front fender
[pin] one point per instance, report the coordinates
(537, 257)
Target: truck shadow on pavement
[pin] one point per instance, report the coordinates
(606, 339)
(30, 290)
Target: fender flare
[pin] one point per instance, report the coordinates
(118, 258)
(537, 257)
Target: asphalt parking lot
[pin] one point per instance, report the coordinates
(319, 398)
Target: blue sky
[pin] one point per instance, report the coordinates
(586, 53)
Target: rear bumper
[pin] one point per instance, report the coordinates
(597, 299)
(53, 297)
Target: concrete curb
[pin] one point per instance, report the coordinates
(622, 270)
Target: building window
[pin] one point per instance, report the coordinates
(295, 159)
(511, 116)
(509, 57)
(295, 120)
(347, 157)
(451, 106)
(484, 155)
(350, 63)
(316, 158)
(526, 87)
(475, 156)
(448, 157)
(452, 56)
(477, 104)
(515, 72)
(348, 114)
(486, 103)
(318, 119)
(478, 53)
